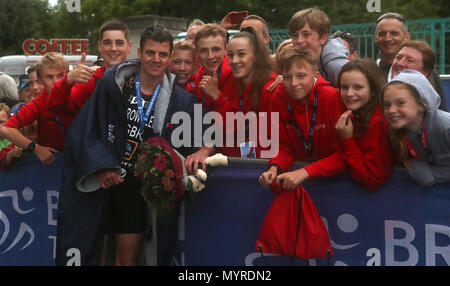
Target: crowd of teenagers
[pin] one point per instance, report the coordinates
(335, 111)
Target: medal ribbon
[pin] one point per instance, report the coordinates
(144, 117)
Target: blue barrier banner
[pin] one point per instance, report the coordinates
(400, 224)
(28, 211)
(446, 84)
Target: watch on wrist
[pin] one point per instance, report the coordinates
(31, 146)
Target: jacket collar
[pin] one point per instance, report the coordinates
(132, 67)
(125, 69)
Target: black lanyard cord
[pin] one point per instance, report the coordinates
(307, 144)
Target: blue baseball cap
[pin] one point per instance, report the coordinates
(23, 83)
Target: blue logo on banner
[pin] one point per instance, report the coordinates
(28, 210)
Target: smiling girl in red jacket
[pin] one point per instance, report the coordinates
(364, 145)
(245, 91)
(251, 67)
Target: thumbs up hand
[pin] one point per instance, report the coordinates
(210, 85)
(83, 59)
(81, 73)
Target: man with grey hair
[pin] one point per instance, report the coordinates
(259, 24)
(391, 32)
(192, 29)
(8, 90)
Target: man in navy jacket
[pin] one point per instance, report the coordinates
(99, 157)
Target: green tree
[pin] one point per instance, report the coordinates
(95, 12)
(22, 19)
(68, 25)
(208, 11)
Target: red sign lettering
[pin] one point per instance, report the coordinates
(42, 47)
(28, 47)
(55, 44)
(84, 45)
(64, 46)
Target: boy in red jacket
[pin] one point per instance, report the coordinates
(183, 64)
(69, 94)
(214, 81)
(308, 109)
(51, 129)
(215, 73)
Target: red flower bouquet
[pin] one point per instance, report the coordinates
(161, 170)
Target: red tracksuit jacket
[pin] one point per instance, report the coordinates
(50, 129)
(68, 99)
(325, 136)
(368, 157)
(225, 82)
(3, 152)
(230, 101)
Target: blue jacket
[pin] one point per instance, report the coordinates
(95, 141)
(333, 57)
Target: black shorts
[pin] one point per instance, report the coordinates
(127, 209)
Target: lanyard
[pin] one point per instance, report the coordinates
(144, 117)
(423, 141)
(308, 145)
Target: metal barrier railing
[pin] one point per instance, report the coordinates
(433, 31)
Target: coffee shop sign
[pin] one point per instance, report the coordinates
(64, 46)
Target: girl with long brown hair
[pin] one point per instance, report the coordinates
(251, 66)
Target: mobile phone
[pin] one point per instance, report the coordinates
(237, 17)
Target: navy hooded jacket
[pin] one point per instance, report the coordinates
(95, 141)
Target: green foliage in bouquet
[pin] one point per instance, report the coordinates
(156, 171)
